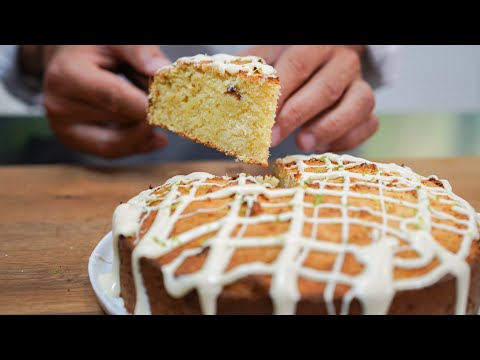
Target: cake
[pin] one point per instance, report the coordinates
(329, 234)
(221, 101)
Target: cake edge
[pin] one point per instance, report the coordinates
(404, 302)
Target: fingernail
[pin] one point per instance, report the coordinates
(307, 142)
(275, 135)
(156, 63)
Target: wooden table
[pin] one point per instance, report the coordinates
(52, 217)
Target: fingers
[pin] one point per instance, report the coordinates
(92, 109)
(356, 136)
(269, 53)
(322, 91)
(109, 142)
(86, 82)
(355, 108)
(63, 109)
(145, 59)
(296, 64)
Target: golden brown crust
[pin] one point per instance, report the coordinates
(127, 284)
(251, 294)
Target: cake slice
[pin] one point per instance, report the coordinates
(221, 101)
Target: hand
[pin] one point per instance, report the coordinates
(92, 109)
(323, 93)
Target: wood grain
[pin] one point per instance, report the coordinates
(52, 217)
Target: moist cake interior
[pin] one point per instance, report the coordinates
(223, 102)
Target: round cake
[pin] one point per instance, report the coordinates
(329, 234)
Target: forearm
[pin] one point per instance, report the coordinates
(33, 59)
(30, 59)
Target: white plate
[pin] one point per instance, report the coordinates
(100, 262)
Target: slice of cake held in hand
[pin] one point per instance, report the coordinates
(222, 101)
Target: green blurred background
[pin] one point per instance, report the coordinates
(423, 135)
(27, 139)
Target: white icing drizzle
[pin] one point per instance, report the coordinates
(374, 286)
(124, 222)
(284, 291)
(228, 64)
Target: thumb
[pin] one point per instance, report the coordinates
(145, 59)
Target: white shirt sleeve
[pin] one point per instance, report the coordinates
(24, 87)
(6, 55)
(381, 64)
